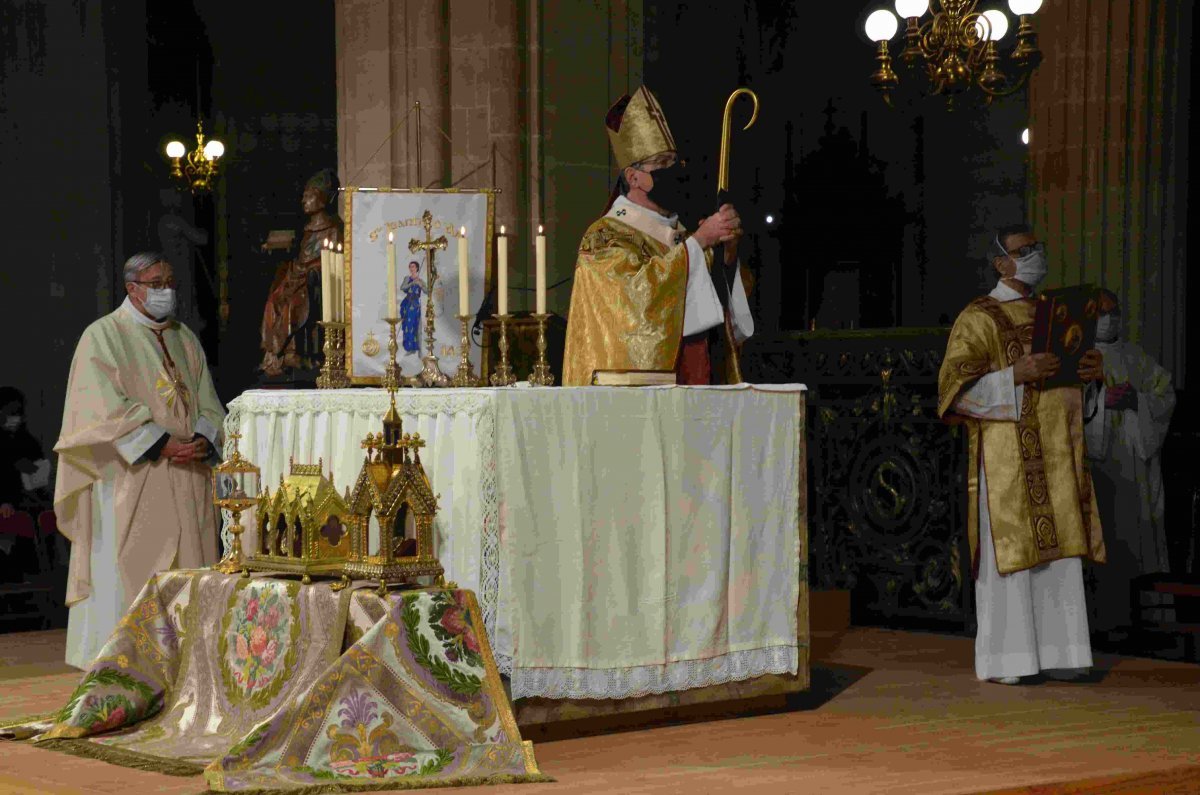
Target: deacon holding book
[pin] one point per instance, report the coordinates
(1032, 513)
(644, 296)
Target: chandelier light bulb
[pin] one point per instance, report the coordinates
(1025, 136)
(175, 149)
(881, 25)
(997, 24)
(1024, 7)
(908, 9)
(214, 149)
(770, 220)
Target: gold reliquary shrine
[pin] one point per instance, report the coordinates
(304, 527)
(391, 509)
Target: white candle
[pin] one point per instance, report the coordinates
(391, 276)
(326, 283)
(540, 252)
(502, 272)
(339, 285)
(463, 304)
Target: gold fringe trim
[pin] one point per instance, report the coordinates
(10, 730)
(389, 785)
(122, 757)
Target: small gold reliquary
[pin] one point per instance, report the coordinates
(304, 526)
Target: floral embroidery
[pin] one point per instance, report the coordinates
(365, 745)
(104, 713)
(258, 641)
(451, 624)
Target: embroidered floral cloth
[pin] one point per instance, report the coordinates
(267, 684)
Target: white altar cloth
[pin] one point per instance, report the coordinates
(622, 541)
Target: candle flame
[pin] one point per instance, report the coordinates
(541, 229)
(339, 248)
(462, 230)
(389, 237)
(501, 228)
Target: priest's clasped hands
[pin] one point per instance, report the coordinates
(1036, 366)
(723, 226)
(186, 451)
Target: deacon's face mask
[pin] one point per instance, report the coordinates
(13, 422)
(1031, 266)
(159, 303)
(1108, 327)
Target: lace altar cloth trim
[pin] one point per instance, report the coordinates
(580, 683)
(410, 403)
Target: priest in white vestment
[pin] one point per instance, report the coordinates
(1124, 439)
(1032, 515)
(140, 428)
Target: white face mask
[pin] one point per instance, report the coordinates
(160, 303)
(1108, 328)
(13, 423)
(1031, 268)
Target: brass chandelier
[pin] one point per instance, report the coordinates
(958, 46)
(197, 168)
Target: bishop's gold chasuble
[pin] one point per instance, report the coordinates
(125, 374)
(1039, 489)
(626, 304)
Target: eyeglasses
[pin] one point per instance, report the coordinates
(159, 284)
(1026, 250)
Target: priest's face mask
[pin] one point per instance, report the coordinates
(1024, 259)
(1108, 325)
(154, 290)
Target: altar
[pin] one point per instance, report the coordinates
(625, 544)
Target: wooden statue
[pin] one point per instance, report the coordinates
(293, 304)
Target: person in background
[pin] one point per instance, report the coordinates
(24, 470)
(1124, 438)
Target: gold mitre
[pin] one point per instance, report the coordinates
(637, 128)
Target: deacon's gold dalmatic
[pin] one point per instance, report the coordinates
(1039, 489)
(626, 303)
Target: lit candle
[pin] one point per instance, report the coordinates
(463, 304)
(326, 282)
(540, 251)
(391, 276)
(339, 284)
(502, 272)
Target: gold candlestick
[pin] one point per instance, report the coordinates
(391, 371)
(504, 373)
(541, 375)
(431, 374)
(333, 371)
(465, 377)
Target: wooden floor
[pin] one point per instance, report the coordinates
(890, 712)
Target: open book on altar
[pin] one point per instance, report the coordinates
(1064, 324)
(633, 378)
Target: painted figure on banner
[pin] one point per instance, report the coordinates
(1124, 438)
(289, 338)
(141, 428)
(1032, 513)
(410, 309)
(647, 294)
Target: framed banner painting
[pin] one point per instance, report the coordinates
(370, 214)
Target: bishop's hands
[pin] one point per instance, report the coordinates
(186, 451)
(723, 226)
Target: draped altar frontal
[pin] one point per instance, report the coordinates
(624, 542)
